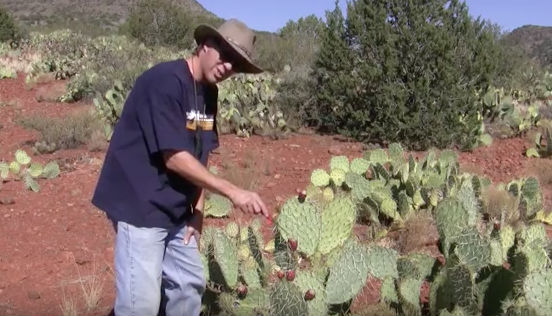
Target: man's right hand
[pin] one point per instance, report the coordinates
(249, 202)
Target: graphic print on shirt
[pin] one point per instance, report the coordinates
(206, 121)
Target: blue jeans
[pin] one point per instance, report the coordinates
(155, 272)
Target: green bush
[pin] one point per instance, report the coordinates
(160, 22)
(395, 71)
(9, 30)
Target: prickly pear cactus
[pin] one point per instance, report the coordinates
(451, 218)
(360, 165)
(308, 281)
(472, 249)
(320, 178)
(339, 162)
(300, 222)
(382, 262)
(537, 288)
(226, 255)
(409, 296)
(217, 205)
(348, 274)
(338, 219)
(232, 230)
(337, 176)
(377, 156)
(286, 300)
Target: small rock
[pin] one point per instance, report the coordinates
(7, 201)
(270, 185)
(6, 215)
(277, 176)
(335, 150)
(33, 295)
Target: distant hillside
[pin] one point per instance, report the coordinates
(92, 16)
(535, 41)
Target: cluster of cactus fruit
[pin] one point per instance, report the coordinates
(21, 168)
(495, 262)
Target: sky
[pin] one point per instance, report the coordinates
(271, 15)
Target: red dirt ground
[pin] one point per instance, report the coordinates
(52, 239)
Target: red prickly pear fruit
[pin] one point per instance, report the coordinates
(290, 275)
(281, 274)
(302, 195)
(292, 244)
(242, 290)
(497, 225)
(309, 295)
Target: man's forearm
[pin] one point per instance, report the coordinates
(187, 166)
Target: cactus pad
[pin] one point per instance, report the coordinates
(461, 280)
(300, 221)
(473, 250)
(15, 167)
(320, 178)
(339, 162)
(309, 281)
(328, 194)
(35, 169)
(388, 292)
(338, 219)
(530, 188)
(415, 266)
(50, 170)
(21, 157)
(497, 256)
(507, 239)
(30, 183)
(451, 218)
(409, 293)
(226, 255)
(286, 300)
(538, 291)
(250, 275)
(337, 176)
(466, 196)
(4, 170)
(232, 230)
(360, 165)
(533, 233)
(382, 262)
(360, 186)
(348, 274)
(217, 205)
(377, 156)
(396, 153)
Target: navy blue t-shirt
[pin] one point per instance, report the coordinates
(134, 185)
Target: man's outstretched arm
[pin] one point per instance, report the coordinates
(187, 166)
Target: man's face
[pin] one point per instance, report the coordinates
(216, 62)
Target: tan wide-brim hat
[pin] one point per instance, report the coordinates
(237, 36)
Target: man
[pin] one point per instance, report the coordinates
(152, 185)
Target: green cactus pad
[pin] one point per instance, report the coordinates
(244, 252)
(15, 167)
(382, 262)
(35, 169)
(530, 258)
(328, 194)
(533, 233)
(451, 219)
(440, 293)
(256, 302)
(447, 158)
(396, 153)
(497, 257)
(377, 156)
(339, 162)
(538, 291)
(4, 170)
(381, 172)
(301, 222)
(348, 274)
(337, 176)
(338, 219)
(286, 299)
(217, 205)
(456, 311)
(388, 291)
(255, 242)
(360, 186)
(251, 276)
(30, 183)
(50, 170)
(466, 196)
(507, 239)
(320, 178)
(389, 208)
(205, 262)
(232, 230)
(360, 165)
(415, 266)
(514, 188)
(530, 188)
(409, 294)
(473, 250)
(309, 281)
(21, 157)
(226, 255)
(432, 180)
(461, 280)
(405, 204)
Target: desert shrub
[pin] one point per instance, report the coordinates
(62, 133)
(9, 31)
(160, 22)
(395, 71)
